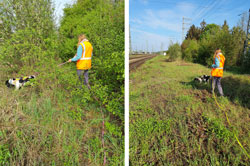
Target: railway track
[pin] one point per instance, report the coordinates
(135, 62)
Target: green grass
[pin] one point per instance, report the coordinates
(53, 124)
(174, 121)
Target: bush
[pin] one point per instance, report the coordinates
(53, 110)
(213, 36)
(29, 35)
(103, 24)
(190, 52)
(174, 51)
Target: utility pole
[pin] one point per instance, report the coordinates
(185, 22)
(246, 44)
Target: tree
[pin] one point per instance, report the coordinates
(28, 32)
(193, 33)
(203, 25)
(225, 27)
(102, 21)
(174, 51)
(190, 51)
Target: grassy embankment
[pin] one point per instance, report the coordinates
(49, 124)
(176, 122)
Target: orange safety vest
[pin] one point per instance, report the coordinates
(85, 62)
(218, 72)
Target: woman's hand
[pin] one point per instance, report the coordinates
(69, 60)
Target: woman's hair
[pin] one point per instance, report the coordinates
(218, 50)
(80, 38)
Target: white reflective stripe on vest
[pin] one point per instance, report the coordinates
(83, 58)
(219, 68)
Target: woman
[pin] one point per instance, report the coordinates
(83, 59)
(217, 70)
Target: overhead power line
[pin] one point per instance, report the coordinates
(212, 10)
(204, 12)
(176, 3)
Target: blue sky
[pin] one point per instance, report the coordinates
(153, 23)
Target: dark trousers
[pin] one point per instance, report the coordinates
(83, 76)
(217, 81)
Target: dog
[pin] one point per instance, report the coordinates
(18, 82)
(202, 79)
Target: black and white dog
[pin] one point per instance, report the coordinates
(202, 79)
(18, 82)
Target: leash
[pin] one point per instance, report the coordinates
(244, 150)
(62, 64)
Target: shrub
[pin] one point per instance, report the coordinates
(190, 53)
(174, 51)
(103, 24)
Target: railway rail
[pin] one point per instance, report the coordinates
(136, 61)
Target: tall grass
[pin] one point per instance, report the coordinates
(186, 126)
(53, 124)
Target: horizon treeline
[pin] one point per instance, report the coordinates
(201, 42)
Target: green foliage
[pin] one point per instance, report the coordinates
(193, 33)
(198, 132)
(240, 94)
(210, 30)
(246, 62)
(53, 122)
(103, 24)
(29, 33)
(212, 36)
(216, 127)
(190, 53)
(4, 154)
(174, 51)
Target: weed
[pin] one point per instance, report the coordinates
(176, 122)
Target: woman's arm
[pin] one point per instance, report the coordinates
(78, 55)
(217, 62)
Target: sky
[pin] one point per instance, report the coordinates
(59, 5)
(154, 24)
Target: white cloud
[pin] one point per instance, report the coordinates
(145, 2)
(143, 40)
(165, 24)
(136, 21)
(163, 19)
(167, 19)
